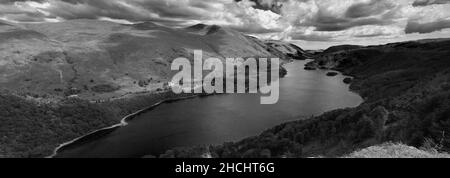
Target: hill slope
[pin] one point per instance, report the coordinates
(102, 60)
(291, 50)
(406, 87)
(59, 81)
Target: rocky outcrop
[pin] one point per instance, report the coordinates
(393, 150)
(348, 80)
(310, 68)
(332, 74)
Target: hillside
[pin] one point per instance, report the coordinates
(341, 48)
(292, 50)
(99, 60)
(59, 81)
(406, 87)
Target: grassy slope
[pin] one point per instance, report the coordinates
(117, 65)
(102, 60)
(406, 87)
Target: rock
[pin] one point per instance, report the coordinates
(332, 74)
(283, 72)
(393, 150)
(348, 80)
(310, 68)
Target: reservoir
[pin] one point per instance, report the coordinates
(220, 118)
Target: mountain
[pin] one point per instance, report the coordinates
(100, 60)
(292, 50)
(59, 81)
(406, 87)
(341, 48)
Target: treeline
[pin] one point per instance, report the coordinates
(28, 129)
(31, 129)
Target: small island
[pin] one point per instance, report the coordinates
(332, 74)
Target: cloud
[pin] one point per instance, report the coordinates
(306, 20)
(311, 37)
(13, 1)
(375, 31)
(340, 15)
(370, 8)
(330, 23)
(272, 5)
(19, 11)
(415, 27)
(429, 2)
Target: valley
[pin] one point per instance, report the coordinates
(406, 94)
(60, 81)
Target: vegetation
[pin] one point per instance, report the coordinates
(406, 87)
(332, 74)
(29, 129)
(391, 150)
(104, 88)
(32, 129)
(348, 80)
(407, 99)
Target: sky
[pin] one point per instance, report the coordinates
(311, 24)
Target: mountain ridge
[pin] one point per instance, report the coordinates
(101, 60)
(59, 81)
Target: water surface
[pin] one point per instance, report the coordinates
(221, 118)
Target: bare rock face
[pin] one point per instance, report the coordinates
(55, 58)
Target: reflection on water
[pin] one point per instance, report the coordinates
(222, 118)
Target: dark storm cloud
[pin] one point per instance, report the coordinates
(13, 1)
(324, 22)
(75, 9)
(415, 27)
(373, 7)
(429, 2)
(131, 10)
(373, 12)
(166, 12)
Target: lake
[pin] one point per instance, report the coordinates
(221, 118)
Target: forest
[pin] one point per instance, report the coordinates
(32, 129)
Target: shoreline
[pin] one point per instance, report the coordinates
(123, 122)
